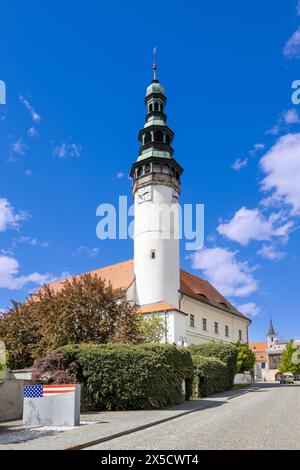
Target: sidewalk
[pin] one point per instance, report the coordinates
(99, 426)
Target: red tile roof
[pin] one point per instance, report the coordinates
(157, 307)
(258, 346)
(121, 275)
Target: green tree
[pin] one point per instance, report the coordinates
(290, 361)
(245, 358)
(84, 310)
(152, 329)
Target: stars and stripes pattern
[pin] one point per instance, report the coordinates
(40, 391)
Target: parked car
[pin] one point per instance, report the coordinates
(287, 378)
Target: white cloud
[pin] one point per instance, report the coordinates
(259, 146)
(8, 216)
(291, 116)
(281, 164)
(84, 250)
(239, 164)
(9, 278)
(34, 115)
(274, 130)
(224, 271)
(29, 241)
(28, 173)
(249, 309)
(270, 253)
(32, 132)
(249, 224)
(119, 175)
(67, 150)
(19, 147)
(292, 48)
(256, 148)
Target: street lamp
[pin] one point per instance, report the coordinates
(181, 341)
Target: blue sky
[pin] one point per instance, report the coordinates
(76, 75)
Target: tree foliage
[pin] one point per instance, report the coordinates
(290, 361)
(152, 329)
(84, 310)
(245, 358)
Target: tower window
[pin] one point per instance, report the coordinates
(158, 136)
(156, 106)
(147, 168)
(139, 171)
(192, 320)
(152, 254)
(150, 108)
(166, 169)
(177, 175)
(147, 138)
(168, 139)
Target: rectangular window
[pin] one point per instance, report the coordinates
(263, 365)
(226, 331)
(192, 320)
(204, 324)
(216, 328)
(240, 335)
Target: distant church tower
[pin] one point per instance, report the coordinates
(272, 336)
(156, 189)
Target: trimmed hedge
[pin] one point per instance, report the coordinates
(210, 376)
(227, 353)
(123, 376)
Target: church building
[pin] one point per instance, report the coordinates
(193, 311)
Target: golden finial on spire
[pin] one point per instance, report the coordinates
(154, 64)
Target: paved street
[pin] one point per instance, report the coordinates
(265, 416)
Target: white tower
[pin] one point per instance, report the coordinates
(156, 189)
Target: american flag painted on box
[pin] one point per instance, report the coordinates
(41, 391)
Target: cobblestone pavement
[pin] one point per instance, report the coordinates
(265, 416)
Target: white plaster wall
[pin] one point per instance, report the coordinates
(156, 279)
(201, 310)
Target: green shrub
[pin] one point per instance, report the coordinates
(124, 376)
(227, 353)
(210, 376)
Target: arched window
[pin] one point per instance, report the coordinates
(158, 136)
(173, 172)
(139, 171)
(150, 108)
(166, 169)
(168, 139)
(156, 106)
(177, 175)
(147, 138)
(147, 168)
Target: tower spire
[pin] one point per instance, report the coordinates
(271, 331)
(154, 65)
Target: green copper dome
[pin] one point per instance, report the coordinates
(155, 87)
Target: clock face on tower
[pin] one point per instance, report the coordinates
(144, 194)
